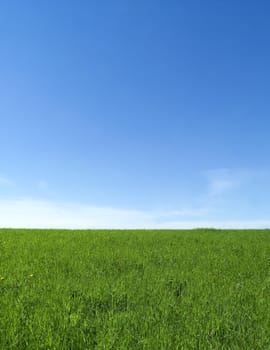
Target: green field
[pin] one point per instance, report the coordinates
(198, 289)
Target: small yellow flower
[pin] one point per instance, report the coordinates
(31, 275)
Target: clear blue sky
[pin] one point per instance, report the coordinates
(158, 109)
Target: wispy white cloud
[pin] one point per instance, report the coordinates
(39, 213)
(29, 213)
(4, 181)
(211, 209)
(221, 181)
(226, 181)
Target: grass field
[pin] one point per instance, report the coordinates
(199, 289)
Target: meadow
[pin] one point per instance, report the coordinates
(196, 289)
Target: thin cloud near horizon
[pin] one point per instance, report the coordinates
(29, 213)
(221, 190)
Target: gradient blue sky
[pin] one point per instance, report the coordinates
(134, 113)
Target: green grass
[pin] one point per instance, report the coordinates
(199, 289)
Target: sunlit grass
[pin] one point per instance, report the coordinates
(200, 289)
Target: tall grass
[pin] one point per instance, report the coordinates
(199, 289)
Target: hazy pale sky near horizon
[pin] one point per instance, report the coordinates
(134, 113)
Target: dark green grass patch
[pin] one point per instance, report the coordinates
(199, 289)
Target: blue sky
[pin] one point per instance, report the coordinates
(134, 113)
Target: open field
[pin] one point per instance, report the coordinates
(199, 289)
